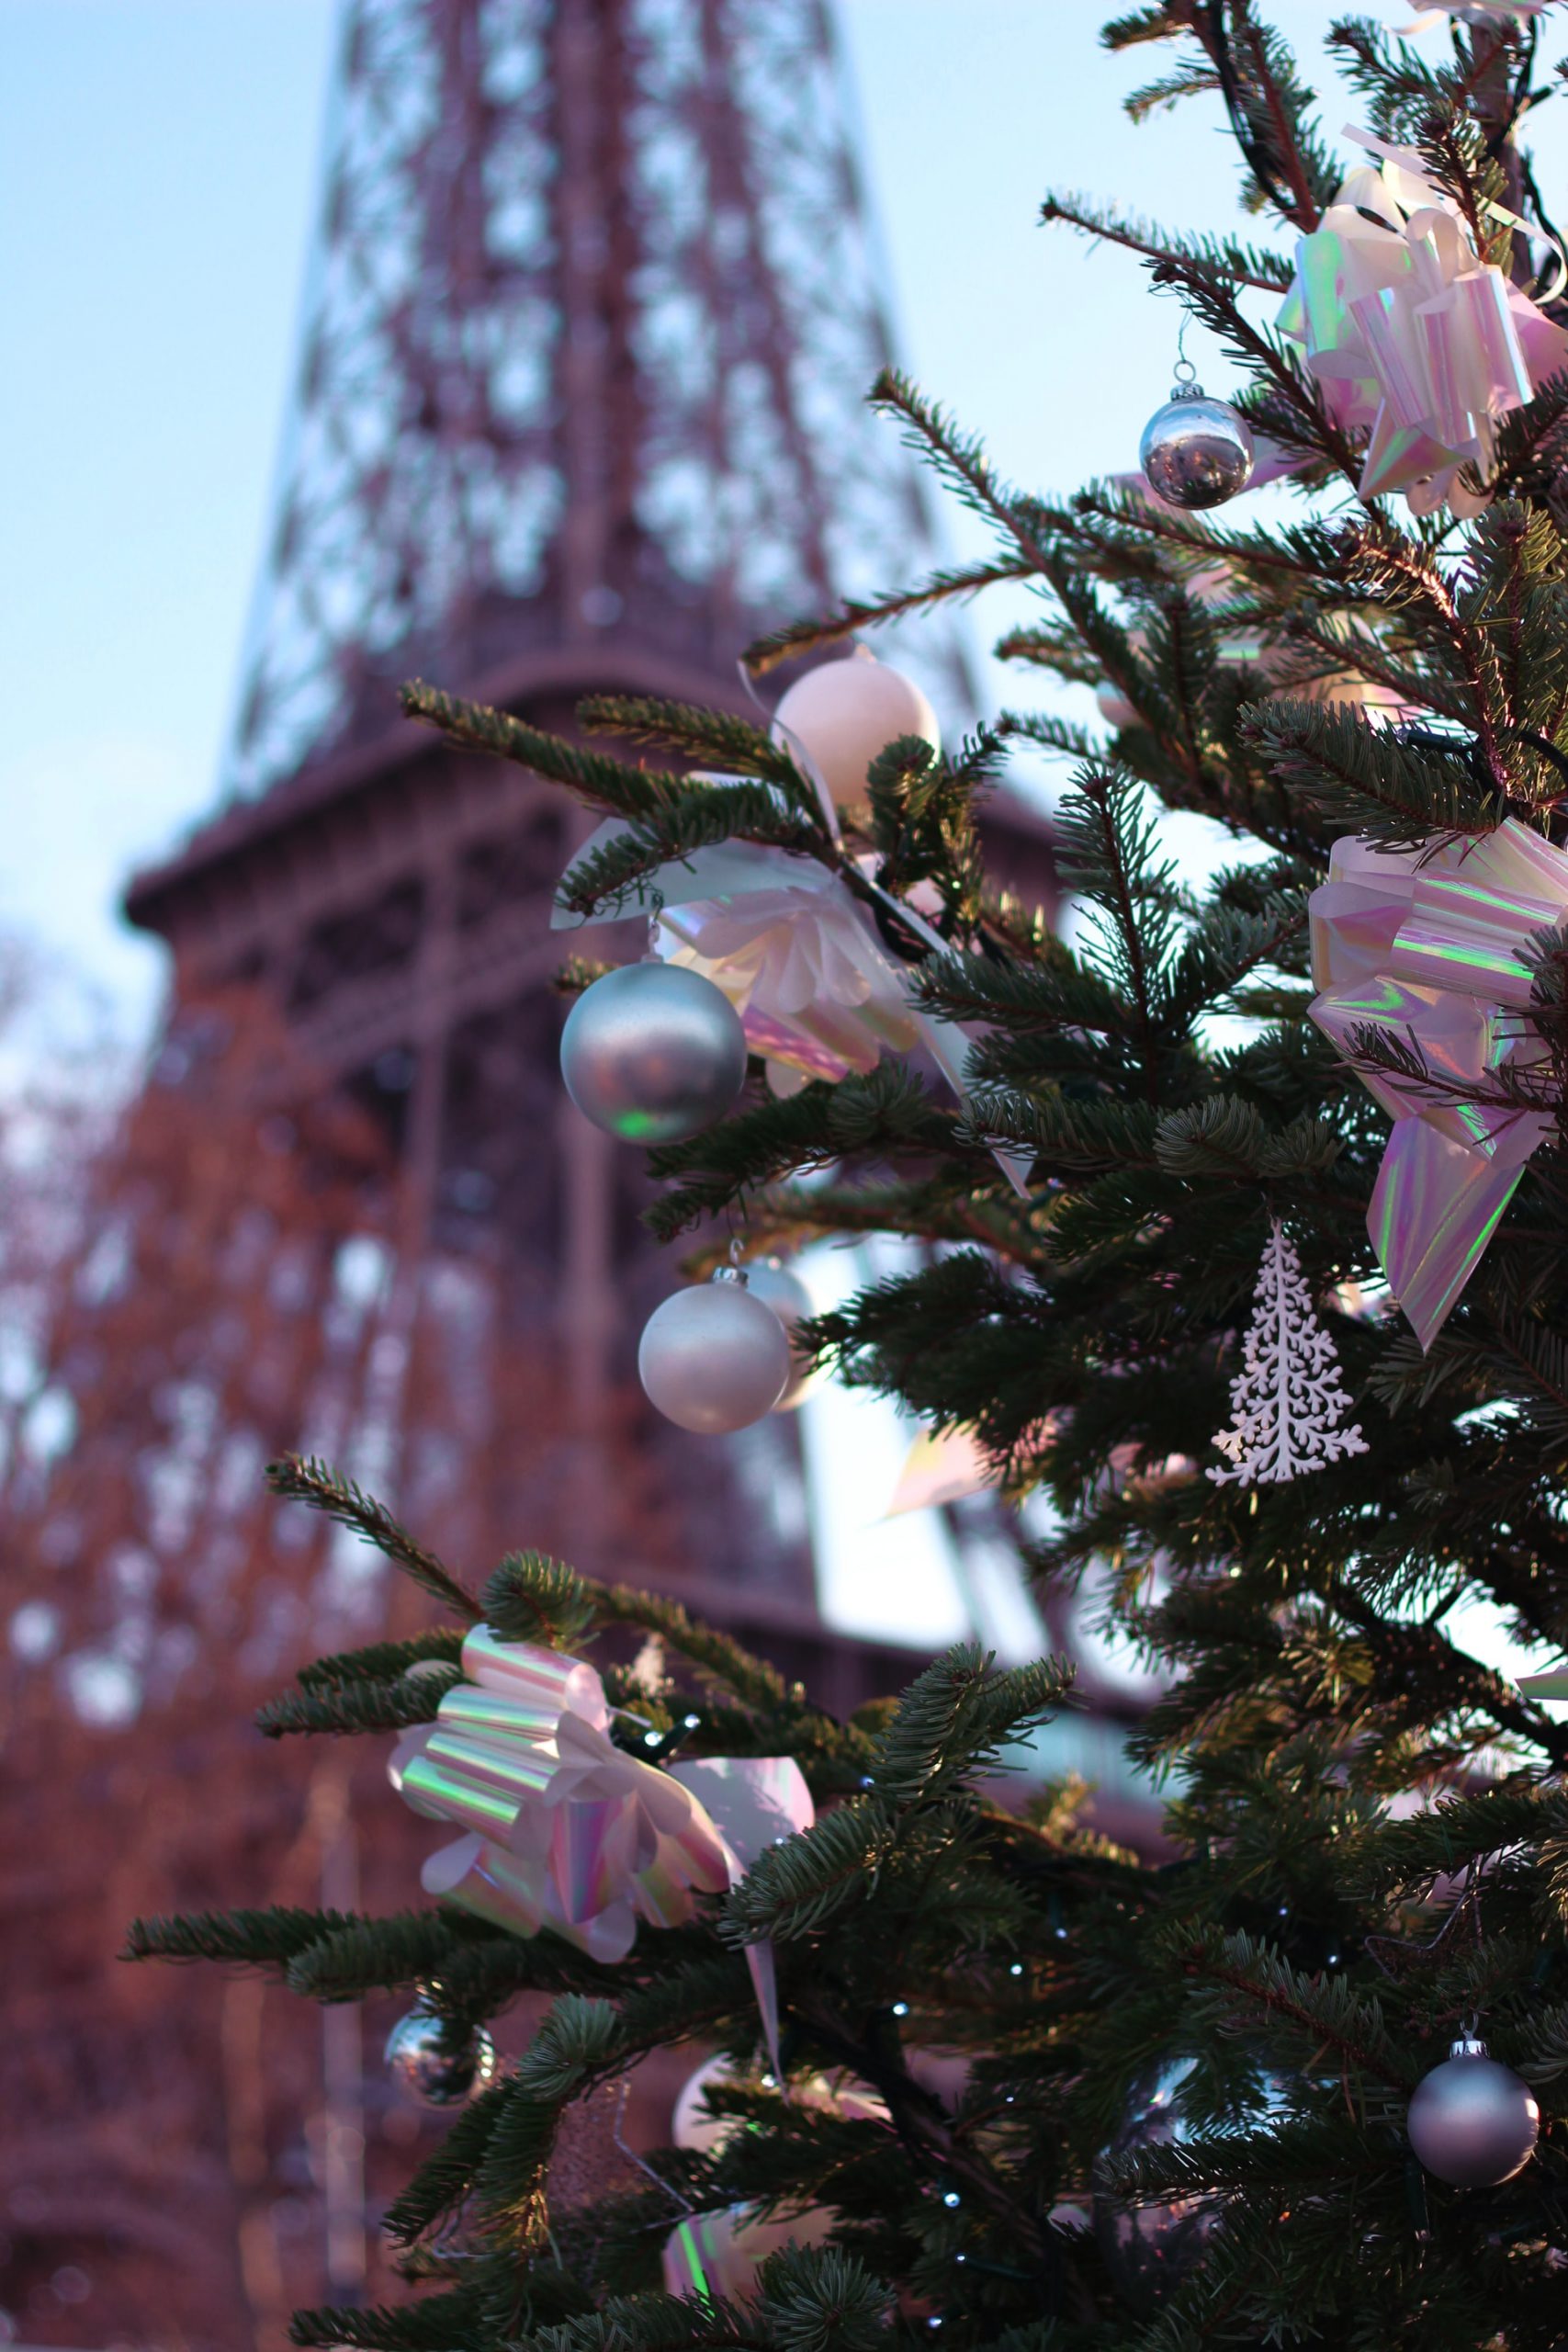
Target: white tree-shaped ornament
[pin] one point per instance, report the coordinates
(1288, 1399)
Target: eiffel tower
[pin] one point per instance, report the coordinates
(592, 315)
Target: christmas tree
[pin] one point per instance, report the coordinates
(985, 2073)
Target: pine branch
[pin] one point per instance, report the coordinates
(439, 2324)
(604, 783)
(358, 1706)
(530, 1599)
(959, 458)
(955, 1721)
(1366, 782)
(1321, 2010)
(272, 1937)
(299, 1479)
(796, 1887)
(446, 2178)
(384, 1661)
(1250, 266)
(351, 1958)
(753, 1681)
(954, 585)
(715, 738)
(888, 1111)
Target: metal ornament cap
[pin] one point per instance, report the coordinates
(714, 1358)
(1196, 452)
(653, 1053)
(1471, 2121)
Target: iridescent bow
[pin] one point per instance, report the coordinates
(787, 942)
(564, 1829)
(1472, 12)
(1410, 333)
(1430, 946)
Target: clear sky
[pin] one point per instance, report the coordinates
(157, 173)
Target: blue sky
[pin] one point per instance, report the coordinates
(157, 173)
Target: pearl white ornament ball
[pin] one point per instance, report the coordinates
(691, 2126)
(713, 1358)
(1196, 452)
(422, 2061)
(843, 713)
(778, 1286)
(1473, 2122)
(653, 1053)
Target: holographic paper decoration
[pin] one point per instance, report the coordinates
(1431, 947)
(1411, 334)
(1288, 1398)
(563, 1829)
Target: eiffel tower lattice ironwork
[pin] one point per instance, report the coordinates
(592, 316)
(591, 320)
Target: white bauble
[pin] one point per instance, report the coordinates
(713, 1358)
(778, 1286)
(691, 2126)
(843, 713)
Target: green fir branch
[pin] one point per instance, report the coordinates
(297, 1478)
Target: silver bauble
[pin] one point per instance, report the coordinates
(422, 2061)
(653, 1053)
(713, 1358)
(1196, 452)
(777, 1287)
(1473, 2122)
(841, 715)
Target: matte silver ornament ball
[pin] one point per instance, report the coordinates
(1196, 452)
(780, 1287)
(423, 2061)
(1473, 2122)
(653, 1053)
(713, 1358)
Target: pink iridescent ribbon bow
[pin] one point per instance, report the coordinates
(563, 1829)
(786, 940)
(1409, 333)
(1430, 946)
(783, 937)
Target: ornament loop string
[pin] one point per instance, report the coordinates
(1185, 373)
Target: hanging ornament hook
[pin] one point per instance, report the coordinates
(1185, 386)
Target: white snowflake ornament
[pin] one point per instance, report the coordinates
(1288, 1399)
